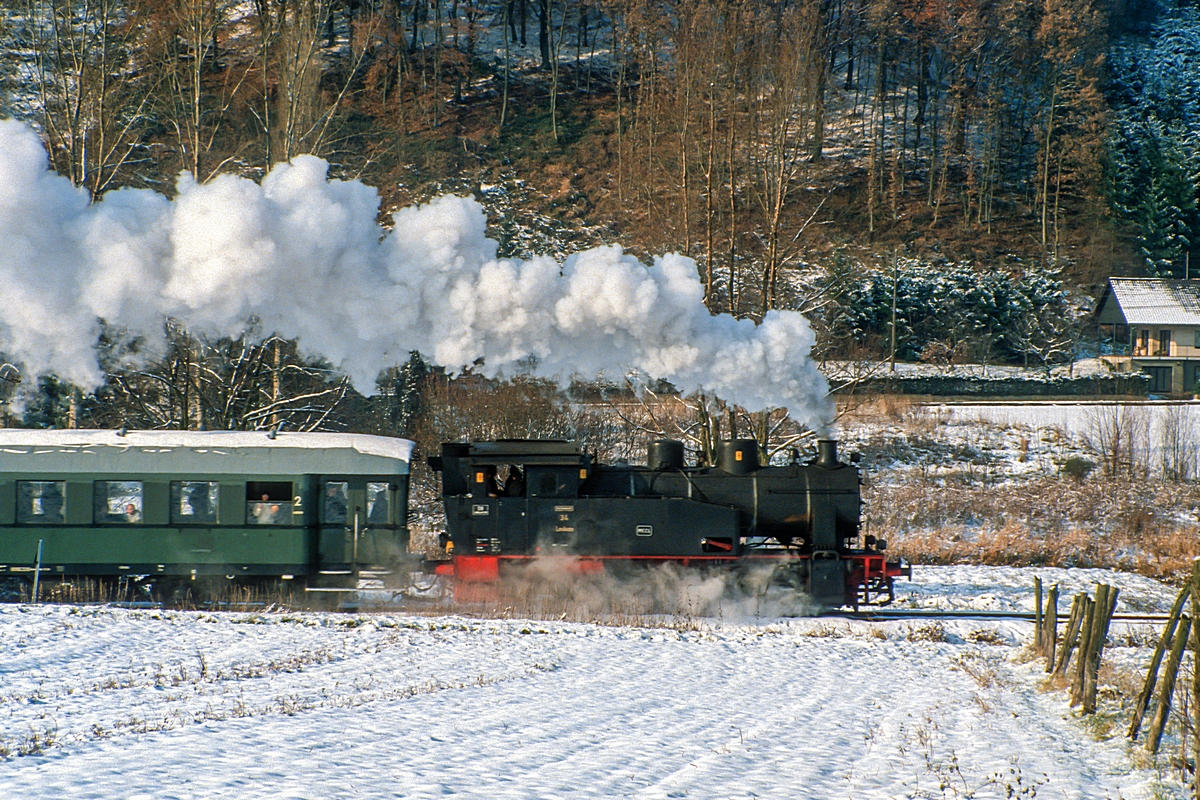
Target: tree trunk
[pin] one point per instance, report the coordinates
(544, 32)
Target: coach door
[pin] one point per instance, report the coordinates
(380, 542)
(360, 521)
(337, 500)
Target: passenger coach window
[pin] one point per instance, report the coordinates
(118, 502)
(378, 504)
(41, 502)
(268, 503)
(194, 502)
(333, 502)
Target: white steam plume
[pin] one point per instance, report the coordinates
(305, 255)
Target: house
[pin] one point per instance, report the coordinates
(1155, 327)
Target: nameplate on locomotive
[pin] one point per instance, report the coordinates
(479, 510)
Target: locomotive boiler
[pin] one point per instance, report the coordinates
(510, 502)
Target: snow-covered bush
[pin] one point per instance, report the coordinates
(958, 312)
(1154, 157)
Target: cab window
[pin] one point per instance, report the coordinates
(118, 502)
(41, 502)
(552, 483)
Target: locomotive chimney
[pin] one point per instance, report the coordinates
(665, 454)
(827, 457)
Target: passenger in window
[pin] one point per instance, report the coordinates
(377, 504)
(195, 502)
(266, 512)
(132, 513)
(335, 502)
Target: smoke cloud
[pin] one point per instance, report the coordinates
(304, 255)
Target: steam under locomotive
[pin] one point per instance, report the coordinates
(510, 502)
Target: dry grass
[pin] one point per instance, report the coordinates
(1137, 526)
(217, 594)
(925, 632)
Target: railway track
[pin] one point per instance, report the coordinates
(885, 614)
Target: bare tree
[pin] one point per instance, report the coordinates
(182, 39)
(1177, 441)
(227, 384)
(90, 97)
(1118, 434)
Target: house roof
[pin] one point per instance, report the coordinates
(215, 452)
(1150, 302)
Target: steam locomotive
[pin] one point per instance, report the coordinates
(511, 502)
(178, 510)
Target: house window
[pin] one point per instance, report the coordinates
(1144, 347)
(118, 502)
(194, 502)
(41, 502)
(1160, 380)
(1164, 343)
(1197, 338)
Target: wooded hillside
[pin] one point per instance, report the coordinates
(806, 153)
(753, 136)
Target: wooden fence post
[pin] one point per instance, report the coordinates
(1037, 615)
(1143, 701)
(1167, 688)
(1050, 628)
(1106, 603)
(1195, 719)
(1087, 684)
(1071, 637)
(1085, 644)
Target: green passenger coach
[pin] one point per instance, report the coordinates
(176, 507)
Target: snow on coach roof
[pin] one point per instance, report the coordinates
(1142, 301)
(237, 452)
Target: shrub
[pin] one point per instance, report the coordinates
(1078, 467)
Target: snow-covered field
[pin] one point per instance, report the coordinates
(103, 702)
(1016, 440)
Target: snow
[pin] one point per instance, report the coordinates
(1081, 368)
(1010, 440)
(85, 440)
(151, 703)
(1071, 417)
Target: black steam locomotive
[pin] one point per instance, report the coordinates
(510, 502)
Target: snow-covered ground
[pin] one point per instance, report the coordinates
(1015, 440)
(144, 703)
(1078, 418)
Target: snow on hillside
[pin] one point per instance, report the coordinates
(1011, 439)
(145, 703)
